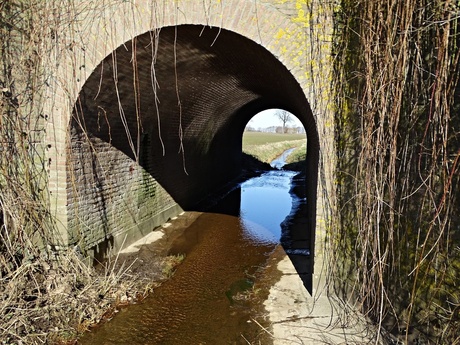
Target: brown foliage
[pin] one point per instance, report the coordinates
(398, 139)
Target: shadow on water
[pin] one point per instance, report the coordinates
(296, 238)
(273, 207)
(296, 235)
(211, 297)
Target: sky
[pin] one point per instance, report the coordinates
(267, 118)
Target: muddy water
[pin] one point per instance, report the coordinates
(210, 299)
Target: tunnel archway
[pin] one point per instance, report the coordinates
(174, 102)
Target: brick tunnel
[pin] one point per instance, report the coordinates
(171, 106)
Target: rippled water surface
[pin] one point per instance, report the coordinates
(206, 301)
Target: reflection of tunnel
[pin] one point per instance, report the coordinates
(183, 96)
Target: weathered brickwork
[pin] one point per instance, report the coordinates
(148, 103)
(110, 197)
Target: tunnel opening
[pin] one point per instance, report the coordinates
(277, 137)
(269, 133)
(158, 125)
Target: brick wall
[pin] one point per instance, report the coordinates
(110, 197)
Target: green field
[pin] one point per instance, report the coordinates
(267, 146)
(260, 138)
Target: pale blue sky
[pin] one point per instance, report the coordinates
(267, 118)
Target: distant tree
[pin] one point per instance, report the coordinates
(285, 118)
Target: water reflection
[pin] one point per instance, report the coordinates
(265, 203)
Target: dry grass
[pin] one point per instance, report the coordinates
(268, 152)
(49, 301)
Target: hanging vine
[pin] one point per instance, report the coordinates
(398, 139)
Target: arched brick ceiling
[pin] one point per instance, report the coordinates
(199, 82)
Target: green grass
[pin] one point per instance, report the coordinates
(267, 146)
(170, 264)
(259, 138)
(298, 154)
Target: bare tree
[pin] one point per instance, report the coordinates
(285, 117)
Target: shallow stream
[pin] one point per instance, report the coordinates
(212, 297)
